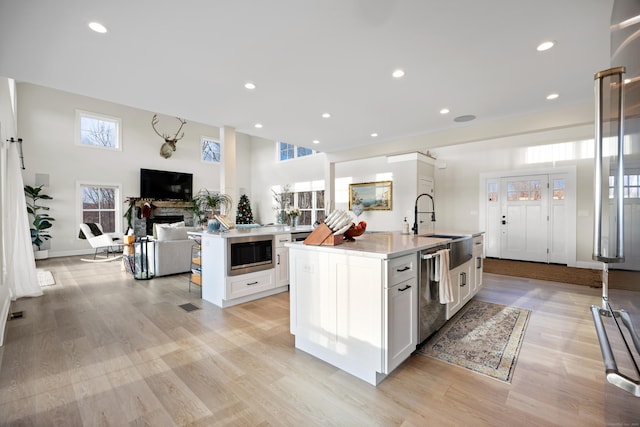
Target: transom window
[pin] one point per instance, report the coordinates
(210, 150)
(101, 204)
(98, 130)
(290, 151)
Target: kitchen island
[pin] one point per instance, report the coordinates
(242, 265)
(355, 305)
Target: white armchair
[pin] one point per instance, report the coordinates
(99, 240)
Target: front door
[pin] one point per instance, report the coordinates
(524, 218)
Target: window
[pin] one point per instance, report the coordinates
(558, 189)
(210, 150)
(290, 151)
(97, 130)
(311, 205)
(523, 190)
(492, 191)
(310, 202)
(631, 188)
(101, 204)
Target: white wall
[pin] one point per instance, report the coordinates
(7, 131)
(268, 172)
(459, 167)
(46, 124)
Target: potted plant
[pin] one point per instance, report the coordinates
(206, 204)
(41, 221)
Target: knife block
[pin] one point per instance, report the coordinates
(322, 235)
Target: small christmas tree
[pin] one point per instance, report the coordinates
(244, 215)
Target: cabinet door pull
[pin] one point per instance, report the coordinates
(252, 283)
(463, 277)
(278, 259)
(406, 267)
(404, 289)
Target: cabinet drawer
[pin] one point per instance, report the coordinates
(251, 283)
(402, 268)
(281, 239)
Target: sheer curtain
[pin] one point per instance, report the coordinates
(19, 262)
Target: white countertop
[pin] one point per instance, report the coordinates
(257, 231)
(382, 244)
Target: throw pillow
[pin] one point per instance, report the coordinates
(172, 233)
(95, 230)
(173, 224)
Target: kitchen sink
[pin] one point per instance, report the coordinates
(460, 247)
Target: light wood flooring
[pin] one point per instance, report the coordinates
(100, 348)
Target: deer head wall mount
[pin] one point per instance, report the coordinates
(169, 146)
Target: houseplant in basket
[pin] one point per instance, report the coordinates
(42, 222)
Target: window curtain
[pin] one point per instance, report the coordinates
(19, 264)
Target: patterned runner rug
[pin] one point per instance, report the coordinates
(482, 337)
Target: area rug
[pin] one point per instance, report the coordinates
(45, 278)
(482, 337)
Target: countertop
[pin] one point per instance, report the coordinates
(383, 244)
(257, 231)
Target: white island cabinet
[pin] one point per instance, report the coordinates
(224, 286)
(354, 311)
(355, 305)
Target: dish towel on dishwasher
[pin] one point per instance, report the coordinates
(444, 282)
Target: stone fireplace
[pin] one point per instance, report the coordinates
(162, 212)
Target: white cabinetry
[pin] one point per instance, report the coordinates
(401, 305)
(282, 259)
(460, 288)
(466, 279)
(358, 313)
(224, 290)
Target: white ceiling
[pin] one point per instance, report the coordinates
(192, 58)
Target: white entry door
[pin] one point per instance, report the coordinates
(524, 218)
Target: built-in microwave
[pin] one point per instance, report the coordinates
(247, 254)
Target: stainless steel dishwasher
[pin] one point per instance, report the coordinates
(432, 314)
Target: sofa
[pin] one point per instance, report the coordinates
(172, 249)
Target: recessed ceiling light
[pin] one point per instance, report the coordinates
(250, 85)
(258, 125)
(552, 96)
(398, 73)
(326, 115)
(545, 45)
(374, 135)
(465, 118)
(444, 111)
(98, 27)
(315, 141)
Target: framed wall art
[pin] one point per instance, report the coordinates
(371, 195)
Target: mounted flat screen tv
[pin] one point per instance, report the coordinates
(165, 185)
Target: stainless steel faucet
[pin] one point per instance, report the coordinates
(415, 212)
